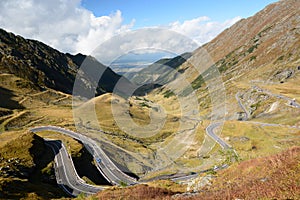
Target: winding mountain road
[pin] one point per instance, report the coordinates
(65, 172)
(103, 163)
(247, 113)
(210, 132)
(67, 176)
(291, 101)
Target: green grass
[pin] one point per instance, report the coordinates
(261, 140)
(168, 94)
(223, 67)
(252, 58)
(198, 82)
(252, 48)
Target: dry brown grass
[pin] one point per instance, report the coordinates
(169, 185)
(273, 177)
(18, 148)
(290, 88)
(139, 192)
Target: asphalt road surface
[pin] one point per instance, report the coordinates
(67, 176)
(104, 164)
(65, 172)
(210, 131)
(247, 113)
(292, 102)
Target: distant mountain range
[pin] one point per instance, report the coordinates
(45, 66)
(160, 72)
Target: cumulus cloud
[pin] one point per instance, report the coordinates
(201, 29)
(67, 26)
(143, 41)
(63, 24)
(176, 38)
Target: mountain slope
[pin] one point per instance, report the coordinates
(258, 62)
(47, 67)
(276, 20)
(270, 37)
(26, 168)
(246, 52)
(258, 53)
(272, 177)
(261, 50)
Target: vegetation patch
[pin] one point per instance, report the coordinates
(135, 192)
(168, 94)
(252, 58)
(252, 48)
(198, 82)
(273, 177)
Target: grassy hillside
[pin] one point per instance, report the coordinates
(272, 177)
(26, 168)
(26, 163)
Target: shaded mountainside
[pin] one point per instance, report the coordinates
(45, 66)
(26, 168)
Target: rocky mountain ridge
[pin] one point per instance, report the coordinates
(47, 67)
(269, 39)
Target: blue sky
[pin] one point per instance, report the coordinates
(161, 12)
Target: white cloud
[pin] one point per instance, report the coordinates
(67, 26)
(144, 40)
(63, 24)
(201, 29)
